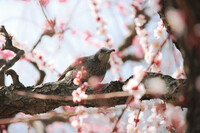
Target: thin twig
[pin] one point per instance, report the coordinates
(137, 119)
(37, 117)
(65, 115)
(42, 73)
(9, 46)
(47, 33)
(52, 31)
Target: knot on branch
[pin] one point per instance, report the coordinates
(14, 76)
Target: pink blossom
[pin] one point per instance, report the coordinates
(160, 107)
(74, 32)
(26, 0)
(153, 7)
(156, 63)
(62, 1)
(137, 4)
(143, 38)
(177, 119)
(94, 81)
(132, 88)
(77, 81)
(131, 85)
(141, 32)
(79, 93)
(75, 122)
(48, 25)
(139, 52)
(86, 36)
(107, 4)
(116, 63)
(179, 73)
(62, 25)
(140, 20)
(44, 2)
(121, 8)
(160, 31)
(6, 54)
(139, 73)
(134, 85)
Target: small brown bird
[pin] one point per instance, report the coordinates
(88, 68)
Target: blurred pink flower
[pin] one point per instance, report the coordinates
(6, 54)
(62, 1)
(140, 20)
(44, 2)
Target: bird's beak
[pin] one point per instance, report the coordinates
(110, 51)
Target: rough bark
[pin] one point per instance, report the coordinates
(11, 102)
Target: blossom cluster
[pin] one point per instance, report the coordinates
(79, 93)
(134, 85)
(95, 7)
(80, 75)
(155, 116)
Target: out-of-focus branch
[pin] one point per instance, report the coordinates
(131, 58)
(42, 73)
(128, 41)
(9, 46)
(51, 117)
(48, 118)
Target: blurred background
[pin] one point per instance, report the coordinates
(78, 32)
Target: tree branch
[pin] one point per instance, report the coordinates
(12, 102)
(14, 76)
(42, 73)
(9, 46)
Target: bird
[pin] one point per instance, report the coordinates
(89, 68)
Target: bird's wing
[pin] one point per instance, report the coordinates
(64, 73)
(73, 66)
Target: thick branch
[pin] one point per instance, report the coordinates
(12, 103)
